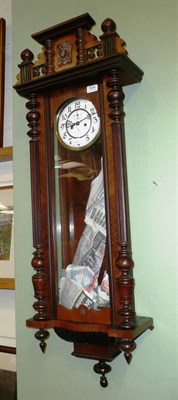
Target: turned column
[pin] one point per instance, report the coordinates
(125, 281)
(38, 263)
(80, 44)
(49, 53)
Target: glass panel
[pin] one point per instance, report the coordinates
(81, 227)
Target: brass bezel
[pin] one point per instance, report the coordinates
(56, 130)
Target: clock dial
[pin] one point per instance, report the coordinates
(77, 124)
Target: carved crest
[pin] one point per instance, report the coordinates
(64, 49)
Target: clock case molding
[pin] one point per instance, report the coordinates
(72, 56)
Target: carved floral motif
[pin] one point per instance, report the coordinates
(64, 49)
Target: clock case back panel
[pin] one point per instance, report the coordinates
(73, 59)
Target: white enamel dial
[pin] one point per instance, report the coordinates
(78, 124)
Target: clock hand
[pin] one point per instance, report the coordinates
(72, 124)
(78, 122)
(69, 124)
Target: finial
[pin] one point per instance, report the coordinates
(108, 26)
(27, 56)
(112, 42)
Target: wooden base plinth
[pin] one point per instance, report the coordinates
(96, 352)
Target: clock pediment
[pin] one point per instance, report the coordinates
(70, 44)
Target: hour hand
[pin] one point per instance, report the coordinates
(70, 124)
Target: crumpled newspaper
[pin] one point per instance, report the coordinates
(79, 285)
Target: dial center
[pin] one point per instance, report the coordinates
(78, 123)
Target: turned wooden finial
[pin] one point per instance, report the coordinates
(27, 56)
(112, 43)
(108, 26)
(25, 66)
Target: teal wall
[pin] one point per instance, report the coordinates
(150, 31)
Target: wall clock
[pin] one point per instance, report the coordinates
(83, 281)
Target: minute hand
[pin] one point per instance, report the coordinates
(78, 122)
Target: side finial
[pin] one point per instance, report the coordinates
(25, 66)
(27, 56)
(112, 43)
(108, 26)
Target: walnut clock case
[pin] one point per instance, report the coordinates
(83, 281)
